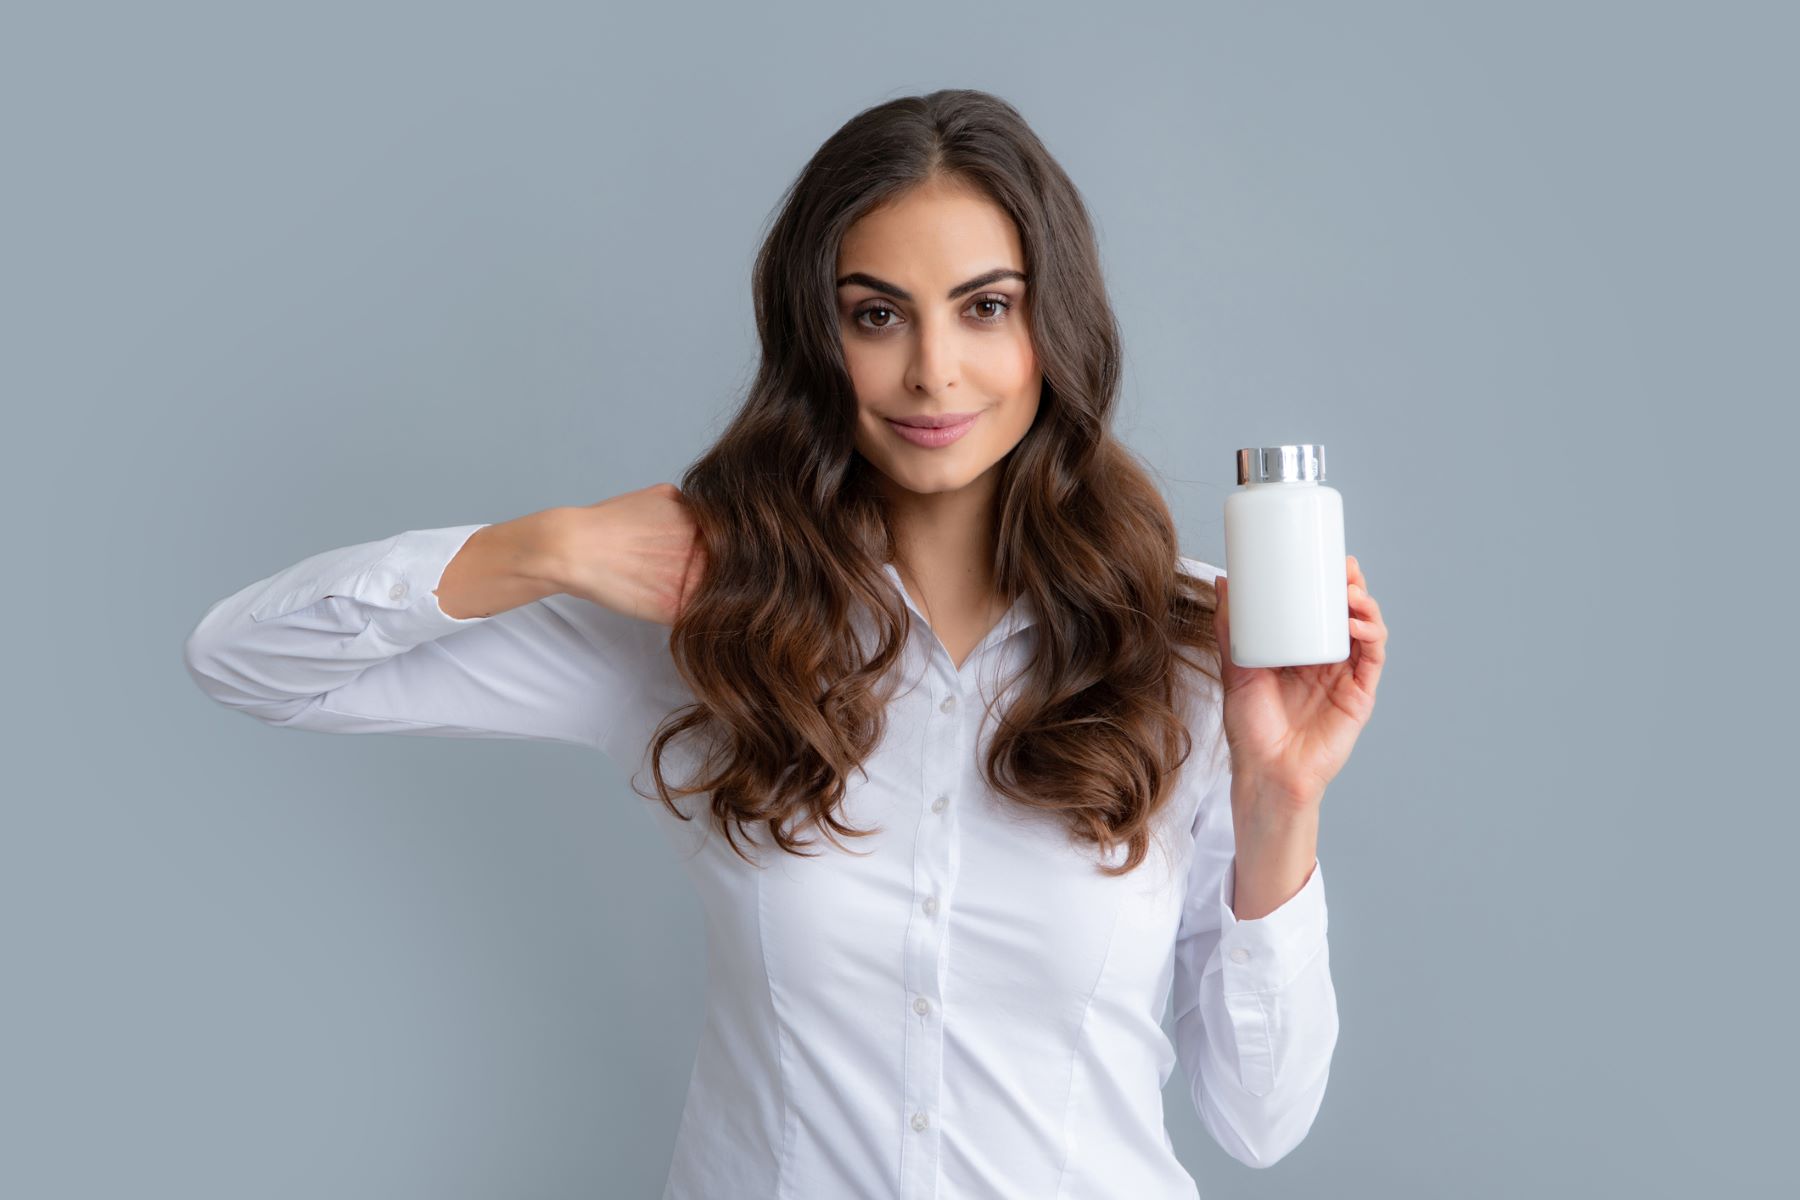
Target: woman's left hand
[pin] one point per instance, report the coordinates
(1290, 729)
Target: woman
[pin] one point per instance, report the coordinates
(914, 629)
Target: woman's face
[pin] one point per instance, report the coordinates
(931, 303)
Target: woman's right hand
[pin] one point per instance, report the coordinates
(638, 553)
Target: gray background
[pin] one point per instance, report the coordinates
(290, 279)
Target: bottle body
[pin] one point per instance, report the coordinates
(1290, 586)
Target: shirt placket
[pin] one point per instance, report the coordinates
(934, 863)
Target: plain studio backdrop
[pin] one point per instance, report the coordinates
(282, 280)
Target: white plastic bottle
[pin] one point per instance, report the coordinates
(1284, 560)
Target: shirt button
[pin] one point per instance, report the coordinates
(397, 592)
(948, 704)
(1240, 955)
(938, 804)
(920, 1120)
(930, 906)
(921, 1006)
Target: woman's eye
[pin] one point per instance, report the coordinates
(999, 305)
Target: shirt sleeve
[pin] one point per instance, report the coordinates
(1256, 1016)
(353, 640)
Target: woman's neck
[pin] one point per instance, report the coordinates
(945, 543)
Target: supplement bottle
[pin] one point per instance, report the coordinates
(1284, 560)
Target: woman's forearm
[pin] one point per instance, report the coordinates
(501, 567)
(1277, 847)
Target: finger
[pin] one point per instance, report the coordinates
(1370, 652)
(1362, 604)
(693, 576)
(1222, 626)
(1364, 611)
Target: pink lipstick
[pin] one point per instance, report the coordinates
(934, 431)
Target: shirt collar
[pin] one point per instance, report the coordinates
(1021, 616)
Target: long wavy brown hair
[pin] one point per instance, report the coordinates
(789, 699)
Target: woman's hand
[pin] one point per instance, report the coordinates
(638, 553)
(1290, 729)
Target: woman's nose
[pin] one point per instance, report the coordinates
(933, 368)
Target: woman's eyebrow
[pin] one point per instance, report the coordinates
(982, 280)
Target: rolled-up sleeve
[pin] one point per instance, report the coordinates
(1256, 1017)
(353, 640)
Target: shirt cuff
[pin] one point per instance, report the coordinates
(394, 581)
(1264, 954)
(402, 586)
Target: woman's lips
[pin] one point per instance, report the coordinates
(942, 435)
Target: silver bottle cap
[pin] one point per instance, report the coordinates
(1281, 464)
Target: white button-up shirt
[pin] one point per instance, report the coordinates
(962, 1006)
